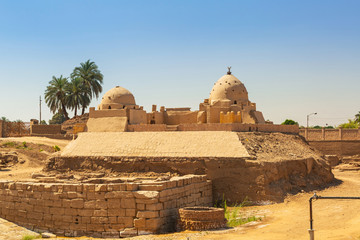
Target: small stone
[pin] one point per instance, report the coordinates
(37, 175)
(48, 235)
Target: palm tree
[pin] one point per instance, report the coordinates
(91, 77)
(77, 95)
(357, 117)
(55, 95)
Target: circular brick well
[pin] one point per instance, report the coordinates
(201, 218)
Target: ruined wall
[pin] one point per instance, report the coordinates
(340, 148)
(234, 178)
(45, 129)
(102, 210)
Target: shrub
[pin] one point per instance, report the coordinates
(56, 148)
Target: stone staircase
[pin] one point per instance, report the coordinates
(170, 128)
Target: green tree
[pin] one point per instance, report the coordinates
(55, 95)
(58, 118)
(91, 77)
(357, 117)
(289, 122)
(5, 119)
(350, 124)
(77, 95)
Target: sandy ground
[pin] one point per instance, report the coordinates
(38, 140)
(333, 219)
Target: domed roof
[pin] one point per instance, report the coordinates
(118, 95)
(228, 87)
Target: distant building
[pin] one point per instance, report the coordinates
(228, 103)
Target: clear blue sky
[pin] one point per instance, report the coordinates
(294, 57)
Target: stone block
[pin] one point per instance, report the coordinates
(99, 220)
(153, 223)
(100, 188)
(95, 227)
(147, 200)
(128, 203)
(147, 214)
(132, 186)
(146, 194)
(101, 204)
(140, 223)
(90, 204)
(154, 207)
(151, 187)
(120, 212)
(86, 212)
(140, 206)
(77, 203)
(127, 221)
(130, 212)
(118, 194)
(100, 213)
(113, 203)
(57, 210)
(128, 232)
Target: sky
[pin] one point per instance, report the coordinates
(294, 57)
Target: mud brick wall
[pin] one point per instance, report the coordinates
(147, 128)
(239, 127)
(102, 210)
(45, 129)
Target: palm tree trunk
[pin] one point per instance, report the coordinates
(83, 111)
(75, 112)
(64, 111)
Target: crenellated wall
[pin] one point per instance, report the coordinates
(102, 210)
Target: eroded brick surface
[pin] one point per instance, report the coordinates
(102, 210)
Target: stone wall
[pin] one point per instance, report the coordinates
(147, 128)
(235, 127)
(107, 113)
(102, 210)
(340, 148)
(239, 127)
(330, 134)
(107, 124)
(45, 129)
(232, 178)
(178, 117)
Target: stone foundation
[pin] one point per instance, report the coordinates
(102, 210)
(234, 178)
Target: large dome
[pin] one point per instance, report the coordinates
(117, 97)
(230, 88)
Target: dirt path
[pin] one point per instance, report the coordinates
(38, 140)
(333, 219)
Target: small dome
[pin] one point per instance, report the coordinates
(116, 98)
(228, 88)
